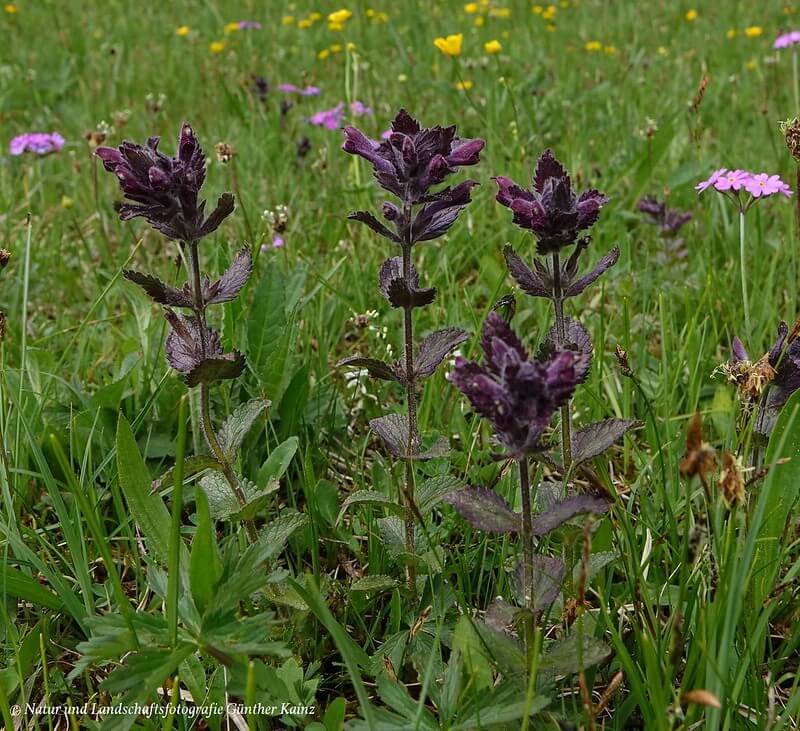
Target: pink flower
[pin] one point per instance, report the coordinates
(329, 118)
(249, 25)
(763, 185)
(387, 134)
(277, 241)
(292, 89)
(732, 180)
(39, 143)
(787, 39)
(701, 186)
(360, 110)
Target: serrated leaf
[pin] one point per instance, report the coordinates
(222, 503)
(435, 347)
(231, 282)
(369, 497)
(597, 562)
(277, 533)
(192, 466)
(238, 424)
(376, 368)
(159, 291)
(564, 510)
(593, 440)
(393, 535)
(485, 509)
(433, 490)
(393, 430)
(374, 583)
(544, 585)
(562, 656)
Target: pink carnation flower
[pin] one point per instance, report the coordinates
(39, 143)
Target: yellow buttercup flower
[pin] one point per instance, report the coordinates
(465, 85)
(287, 20)
(730, 33)
(314, 17)
(610, 50)
(550, 12)
(691, 15)
(662, 51)
(500, 12)
(551, 27)
(323, 54)
(340, 16)
(231, 27)
(753, 31)
(66, 201)
(182, 31)
(335, 26)
(217, 46)
(479, 21)
(451, 45)
(336, 48)
(350, 46)
(538, 9)
(471, 8)
(593, 46)
(10, 8)
(492, 47)
(304, 23)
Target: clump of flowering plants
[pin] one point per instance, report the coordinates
(409, 163)
(519, 394)
(165, 191)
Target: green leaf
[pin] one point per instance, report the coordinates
(222, 503)
(562, 657)
(783, 486)
(278, 461)
(238, 424)
(476, 659)
(431, 492)
(191, 466)
(205, 565)
(275, 535)
(393, 534)
(374, 583)
(21, 586)
(147, 509)
(333, 720)
(369, 497)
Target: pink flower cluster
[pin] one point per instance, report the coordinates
(758, 185)
(39, 143)
(787, 39)
(334, 118)
(292, 89)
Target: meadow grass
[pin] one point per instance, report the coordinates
(698, 602)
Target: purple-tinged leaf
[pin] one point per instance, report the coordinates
(577, 286)
(220, 368)
(529, 281)
(485, 509)
(225, 206)
(436, 218)
(440, 448)
(367, 218)
(434, 349)
(397, 290)
(500, 616)
(544, 585)
(593, 440)
(393, 430)
(565, 510)
(231, 282)
(376, 368)
(158, 291)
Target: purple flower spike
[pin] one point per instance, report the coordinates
(39, 143)
(517, 394)
(551, 209)
(413, 159)
(164, 190)
(669, 220)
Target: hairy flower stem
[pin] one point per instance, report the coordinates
(411, 398)
(743, 268)
(205, 411)
(527, 530)
(561, 336)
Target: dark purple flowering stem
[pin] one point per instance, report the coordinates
(411, 396)
(205, 411)
(558, 302)
(527, 529)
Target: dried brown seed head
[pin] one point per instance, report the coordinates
(731, 479)
(791, 134)
(699, 457)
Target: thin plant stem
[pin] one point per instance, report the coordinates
(205, 411)
(743, 269)
(238, 192)
(411, 399)
(558, 303)
(527, 529)
(173, 578)
(796, 80)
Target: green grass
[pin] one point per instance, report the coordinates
(696, 597)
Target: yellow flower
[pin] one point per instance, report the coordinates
(350, 46)
(610, 50)
(537, 9)
(451, 45)
(314, 17)
(323, 54)
(752, 64)
(231, 27)
(335, 26)
(66, 201)
(340, 16)
(336, 48)
(500, 12)
(465, 85)
(691, 15)
(304, 23)
(217, 47)
(10, 8)
(551, 27)
(287, 20)
(662, 51)
(753, 31)
(479, 21)
(402, 78)
(492, 47)
(471, 8)
(593, 46)
(730, 33)
(182, 31)
(550, 12)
